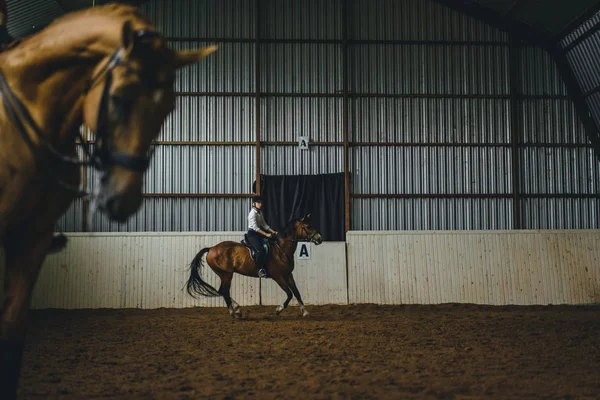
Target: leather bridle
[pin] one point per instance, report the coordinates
(104, 155)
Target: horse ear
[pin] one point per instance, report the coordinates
(187, 57)
(127, 36)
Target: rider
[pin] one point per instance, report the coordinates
(259, 233)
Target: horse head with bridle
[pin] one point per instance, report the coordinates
(227, 258)
(107, 68)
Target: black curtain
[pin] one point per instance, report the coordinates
(293, 196)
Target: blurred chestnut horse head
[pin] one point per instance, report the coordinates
(107, 68)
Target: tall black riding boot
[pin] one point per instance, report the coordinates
(260, 265)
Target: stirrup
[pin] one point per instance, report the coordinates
(262, 273)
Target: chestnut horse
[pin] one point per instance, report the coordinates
(228, 257)
(109, 69)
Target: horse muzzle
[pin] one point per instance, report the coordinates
(121, 206)
(119, 201)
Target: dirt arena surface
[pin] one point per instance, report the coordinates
(339, 352)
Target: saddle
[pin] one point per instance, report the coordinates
(252, 250)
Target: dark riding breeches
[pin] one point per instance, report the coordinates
(259, 243)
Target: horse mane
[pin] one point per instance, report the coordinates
(116, 9)
(75, 32)
(286, 227)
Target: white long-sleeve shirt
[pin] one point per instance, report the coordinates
(256, 221)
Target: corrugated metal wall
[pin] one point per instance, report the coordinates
(445, 115)
(456, 113)
(111, 270)
(26, 16)
(560, 175)
(481, 267)
(427, 87)
(582, 52)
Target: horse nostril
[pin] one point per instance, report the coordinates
(112, 205)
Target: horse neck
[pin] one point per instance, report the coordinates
(288, 245)
(49, 71)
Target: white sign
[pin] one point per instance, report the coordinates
(303, 142)
(303, 251)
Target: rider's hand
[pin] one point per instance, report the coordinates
(269, 235)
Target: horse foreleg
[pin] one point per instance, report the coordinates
(22, 267)
(296, 292)
(282, 282)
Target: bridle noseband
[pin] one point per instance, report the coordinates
(104, 156)
(308, 238)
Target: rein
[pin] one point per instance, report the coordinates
(306, 239)
(103, 156)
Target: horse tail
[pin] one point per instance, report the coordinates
(195, 285)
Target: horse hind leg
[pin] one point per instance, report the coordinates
(225, 291)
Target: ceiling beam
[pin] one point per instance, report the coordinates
(520, 30)
(549, 43)
(513, 7)
(589, 13)
(595, 28)
(592, 92)
(581, 106)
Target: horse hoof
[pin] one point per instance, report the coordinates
(237, 314)
(278, 310)
(305, 313)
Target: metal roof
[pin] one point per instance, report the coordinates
(550, 17)
(543, 22)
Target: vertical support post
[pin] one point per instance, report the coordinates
(515, 126)
(84, 172)
(345, 117)
(257, 110)
(257, 94)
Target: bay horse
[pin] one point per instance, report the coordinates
(227, 258)
(107, 68)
